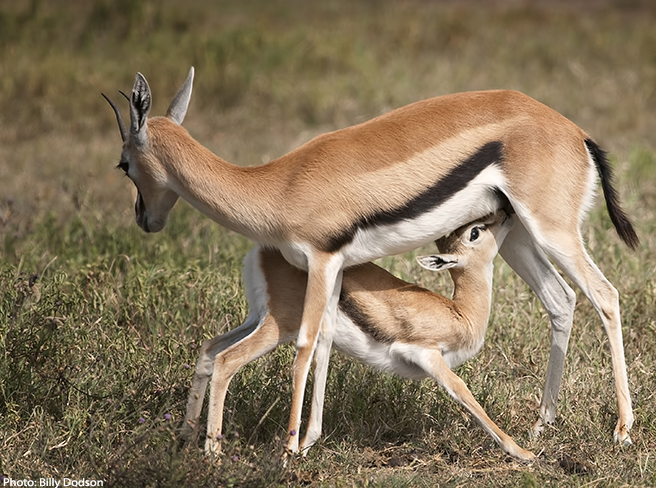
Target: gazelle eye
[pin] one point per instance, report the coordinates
(474, 234)
(124, 166)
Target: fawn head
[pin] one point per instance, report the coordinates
(142, 152)
(474, 244)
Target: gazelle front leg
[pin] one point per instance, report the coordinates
(531, 264)
(320, 374)
(324, 281)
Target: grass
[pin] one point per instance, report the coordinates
(99, 323)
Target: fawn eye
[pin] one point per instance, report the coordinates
(474, 234)
(124, 166)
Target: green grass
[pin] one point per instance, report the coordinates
(99, 322)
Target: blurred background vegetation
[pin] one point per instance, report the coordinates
(99, 323)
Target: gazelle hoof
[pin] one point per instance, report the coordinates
(212, 447)
(622, 436)
(536, 430)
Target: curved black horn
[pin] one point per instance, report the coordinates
(119, 119)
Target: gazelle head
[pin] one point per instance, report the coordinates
(140, 157)
(475, 244)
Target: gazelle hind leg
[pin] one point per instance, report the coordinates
(579, 267)
(262, 340)
(204, 366)
(520, 251)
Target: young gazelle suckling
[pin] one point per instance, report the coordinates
(381, 320)
(390, 185)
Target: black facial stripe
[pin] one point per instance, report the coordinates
(457, 179)
(364, 322)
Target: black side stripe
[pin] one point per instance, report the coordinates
(457, 179)
(365, 323)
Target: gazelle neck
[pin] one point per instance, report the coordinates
(242, 199)
(472, 294)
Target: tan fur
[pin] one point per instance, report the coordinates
(405, 312)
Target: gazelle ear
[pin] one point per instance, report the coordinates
(178, 108)
(140, 103)
(438, 262)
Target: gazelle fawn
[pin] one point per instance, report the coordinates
(390, 185)
(381, 320)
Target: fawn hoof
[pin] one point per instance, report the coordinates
(524, 455)
(510, 447)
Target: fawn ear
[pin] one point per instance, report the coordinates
(438, 262)
(178, 108)
(140, 103)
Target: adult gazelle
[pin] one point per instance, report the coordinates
(390, 185)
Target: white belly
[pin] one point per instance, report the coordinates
(475, 201)
(349, 339)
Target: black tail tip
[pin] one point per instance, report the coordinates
(628, 234)
(619, 219)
